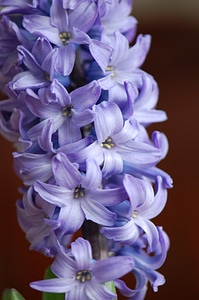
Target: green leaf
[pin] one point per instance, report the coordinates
(12, 294)
(51, 296)
(111, 286)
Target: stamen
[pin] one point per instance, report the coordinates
(108, 143)
(79, 192)
(67, 110)
(110, 69)
(65, 37)
(135, 213)
(47, 76)
(84, 275)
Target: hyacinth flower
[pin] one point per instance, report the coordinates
(34, 75)
(136, 213)
(10, 37)
(67, 31)
(77, 106)
(145, 265)
(79, 277)
(69, 112)
(75, 194)
(39, 220)
(116, 17)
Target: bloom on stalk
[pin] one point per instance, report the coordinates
(134, 215)
(79, 277)
(146, 264)
(78, 194)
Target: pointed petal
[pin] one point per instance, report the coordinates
(55, 93)
(93, 177)
(64, 266)
(40, 49)
(71, 216)
(160, 142)
(97, 213)
(151, 232)
(29, 60)
(81, 249)
(66, 173)
(159, 201)
(101, 53)
(141, 286)
(59, 16)
(140, 153)
(113, 163)
(81, 119)
(31, 167)
(146, 117)
(109, 197)
(40, 25)
(136, 54)
(85, 96)
(112, 268)
(26, 79)
(84, 15)
(156, 279)
(45, 139)
(121, 49)
(39, 109)
(108, 120)
(55, 285)
(127, 233)
(140, 193)
(65, 59)
(54, 194)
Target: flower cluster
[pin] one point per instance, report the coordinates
(77, 110)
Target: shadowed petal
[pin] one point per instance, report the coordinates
(93, 177)
(159, 201)
(127, 233)
(65, 59)
(113, 163)
(72, 217)
(109, 197)
(151, 232)
(98, 213)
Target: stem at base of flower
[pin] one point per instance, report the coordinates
(91, 232)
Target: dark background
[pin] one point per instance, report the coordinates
(173, 61)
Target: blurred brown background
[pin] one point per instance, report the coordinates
(174, 62)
